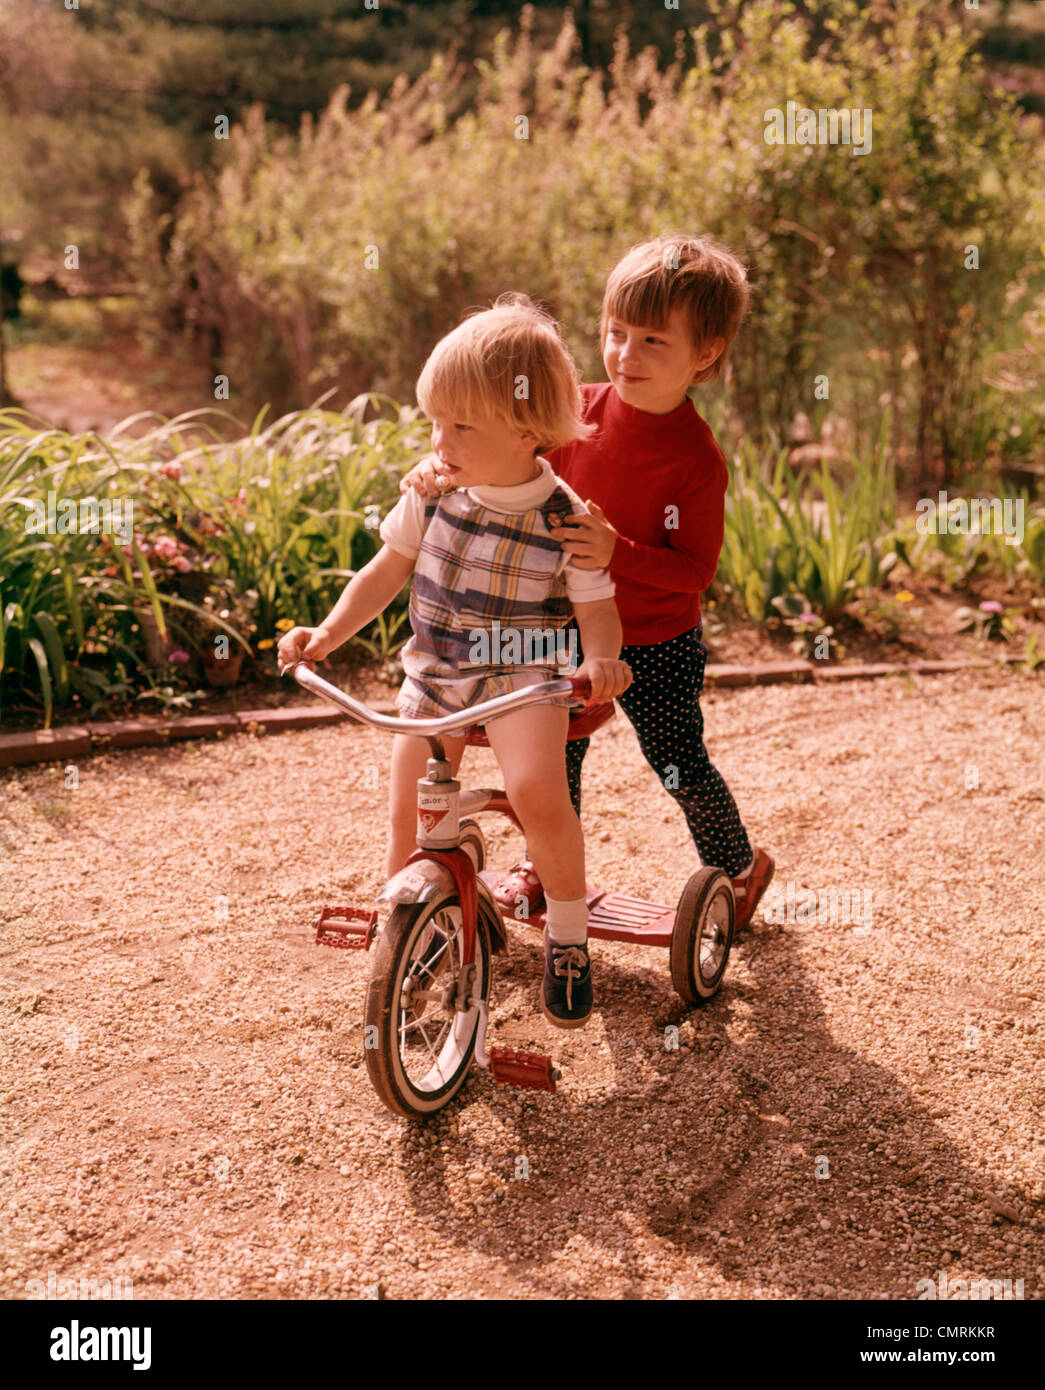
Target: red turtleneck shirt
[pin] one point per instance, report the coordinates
(661, 481)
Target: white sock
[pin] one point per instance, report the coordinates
(744, 873)
(567, 920)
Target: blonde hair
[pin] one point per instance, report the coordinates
(696, 275)
(509, 363)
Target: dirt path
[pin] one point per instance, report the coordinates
(184, 1101)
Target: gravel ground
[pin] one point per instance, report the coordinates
(184, 1101)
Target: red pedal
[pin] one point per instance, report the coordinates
(346, 928)
(528, 1071)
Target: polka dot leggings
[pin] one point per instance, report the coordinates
(663, 705)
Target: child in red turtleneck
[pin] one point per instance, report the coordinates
(655, 481)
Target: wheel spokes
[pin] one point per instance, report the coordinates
(426, 1037)
(712, 945)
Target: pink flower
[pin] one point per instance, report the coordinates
(171, 469)
(179, 658)
(182, 564)
(166, 547)
(991, 605)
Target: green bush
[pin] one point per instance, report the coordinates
(338, 258)
(959, 558)
(244, 539)
(266, 530)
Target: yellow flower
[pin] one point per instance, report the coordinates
(284, 624)
(905, 596)
(265, 643)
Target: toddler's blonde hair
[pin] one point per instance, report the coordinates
(509, 363)
(696, 275)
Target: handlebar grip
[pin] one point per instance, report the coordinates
(581, 686)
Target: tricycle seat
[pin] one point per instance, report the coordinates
(583, 723)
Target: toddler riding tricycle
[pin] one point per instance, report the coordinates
(427, 1004)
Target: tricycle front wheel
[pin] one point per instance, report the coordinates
(702, 936)
(423, 1046)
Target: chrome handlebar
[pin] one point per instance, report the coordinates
(305, 674)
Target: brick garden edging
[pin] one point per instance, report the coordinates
(812, 672)
(80, 740)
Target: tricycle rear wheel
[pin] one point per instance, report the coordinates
(702, 936)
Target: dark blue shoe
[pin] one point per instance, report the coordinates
(567, 992)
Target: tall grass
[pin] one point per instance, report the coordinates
(809, 536)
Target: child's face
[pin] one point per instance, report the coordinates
(653, 368)
(475, 450)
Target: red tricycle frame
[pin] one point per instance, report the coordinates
(432, 962)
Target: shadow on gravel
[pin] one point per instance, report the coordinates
(793, 1166)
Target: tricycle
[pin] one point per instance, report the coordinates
(428, 999)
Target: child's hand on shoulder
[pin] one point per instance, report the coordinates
(425, 478)
(588, 540)
(304, 644)
(608, 678)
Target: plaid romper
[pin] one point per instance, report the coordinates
(478, 569)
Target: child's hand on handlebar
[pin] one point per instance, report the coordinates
(608, 678)
(425, 477)
(304, 644)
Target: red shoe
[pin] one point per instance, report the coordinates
(749, 888)
(520, 881)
